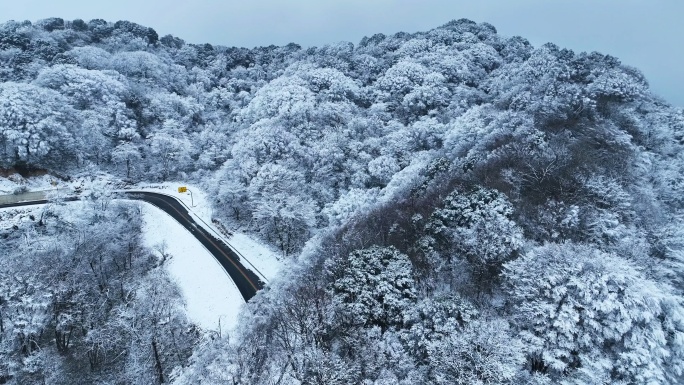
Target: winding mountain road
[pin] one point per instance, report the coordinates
(247, 282)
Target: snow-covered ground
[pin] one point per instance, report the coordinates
(196, 199)
(211, 296)
(14, 182)
(256, 256)
(261, 257)
(209, 292)
(10, 216)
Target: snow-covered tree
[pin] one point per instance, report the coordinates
(282, 214)
(455, 151)
(37, 126)
(376, 287)
(171, 151)
(483, 352)
(476, 227)
(588, 316)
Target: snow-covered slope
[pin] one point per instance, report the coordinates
(212, 298)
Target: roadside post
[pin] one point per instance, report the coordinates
(183, 189)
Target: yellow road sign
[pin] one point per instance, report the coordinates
(182, 189)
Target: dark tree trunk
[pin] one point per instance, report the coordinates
(157, 362)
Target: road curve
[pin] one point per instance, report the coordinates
(247, 282)
(245, 279)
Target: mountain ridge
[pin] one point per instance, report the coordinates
(456, 206)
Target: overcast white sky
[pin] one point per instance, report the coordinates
(647, 34)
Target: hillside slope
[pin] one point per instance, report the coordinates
(463, 207)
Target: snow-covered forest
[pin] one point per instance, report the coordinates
(457, 207)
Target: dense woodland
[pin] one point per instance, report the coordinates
(458, 207)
